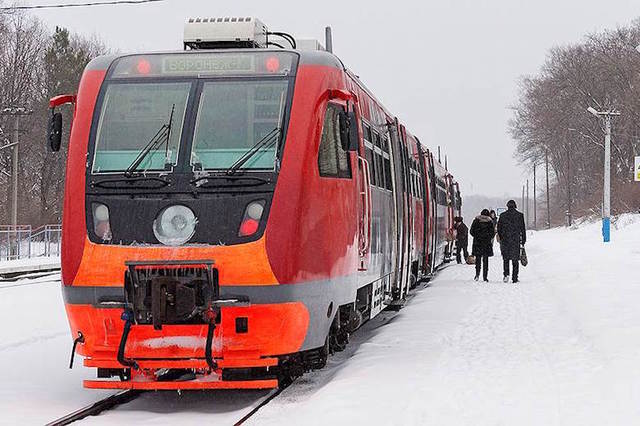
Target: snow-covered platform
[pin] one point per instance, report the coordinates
(559, 348)
(34, 264)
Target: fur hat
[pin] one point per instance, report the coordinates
(485, 212)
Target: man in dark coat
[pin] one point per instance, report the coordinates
(462, 239)
(482, 231)
(513, 236)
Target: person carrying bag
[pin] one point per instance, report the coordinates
(513, 236)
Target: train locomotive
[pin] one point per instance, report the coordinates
(235, 210)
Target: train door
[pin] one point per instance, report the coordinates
(434, 212)
(399, 186)
(407, 217)
(426, 199)
(364, 192)
(450, 214)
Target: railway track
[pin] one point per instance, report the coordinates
(30, 279)
(127, 396)
(267, 400)
(97, 407)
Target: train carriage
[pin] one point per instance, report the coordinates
(234, 211)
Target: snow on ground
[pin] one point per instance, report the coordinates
(559, 348)
(35, 343)
(32, 261)
(29, 264)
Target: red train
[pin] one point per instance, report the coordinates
(234, 211)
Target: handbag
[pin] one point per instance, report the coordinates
(523, 256)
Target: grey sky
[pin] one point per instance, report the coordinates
(448, 69)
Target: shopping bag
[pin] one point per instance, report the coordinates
(471, 260)
(523, 257)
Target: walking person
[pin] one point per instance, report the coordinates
(494, 219)
(513, 236)
(482, 231)
(462, 239)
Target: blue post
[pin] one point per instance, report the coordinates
(606, 229)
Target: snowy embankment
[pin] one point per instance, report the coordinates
(559, 348)
(35, 343)
(32, 264)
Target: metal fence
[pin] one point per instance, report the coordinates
(22, 241)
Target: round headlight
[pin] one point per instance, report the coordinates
(175, 225)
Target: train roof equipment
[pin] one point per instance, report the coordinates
(232, 33)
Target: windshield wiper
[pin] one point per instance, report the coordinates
(234, 181)
(266, 142)
(162, 136)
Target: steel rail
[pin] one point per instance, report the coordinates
(262, 404)
(97, 407)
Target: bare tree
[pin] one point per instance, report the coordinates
(550, 117)
(35, 66)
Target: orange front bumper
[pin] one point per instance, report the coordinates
(187, 385)
(273, 329)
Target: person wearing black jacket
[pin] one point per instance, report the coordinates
(513, 236)
(462, 239)
(482, 231)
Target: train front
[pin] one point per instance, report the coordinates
(173, 163)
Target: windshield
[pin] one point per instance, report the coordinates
(131, 116)
(233, 117)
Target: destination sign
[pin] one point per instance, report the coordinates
(199, 64)
(204, 63)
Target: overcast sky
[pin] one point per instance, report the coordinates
(449, 69)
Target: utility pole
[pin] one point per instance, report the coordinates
(568, 186)
(522, 204)
(16, 113)
(606, 208)
(546, 166)
(528, 204)
(535, 195)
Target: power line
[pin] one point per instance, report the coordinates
(65, 5)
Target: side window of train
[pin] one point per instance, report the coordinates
(379, 164)
(387, 163)
(369, 152)
(333, 160)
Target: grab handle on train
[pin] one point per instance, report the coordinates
(366, 194)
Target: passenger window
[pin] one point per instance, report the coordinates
(333, 160)
(387, 173)
(372, 167)
(367, 132)
(380, 168)
(376, 139)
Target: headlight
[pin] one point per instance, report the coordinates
(175, 225)
(101, 224)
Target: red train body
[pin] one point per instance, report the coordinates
(353, 212)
